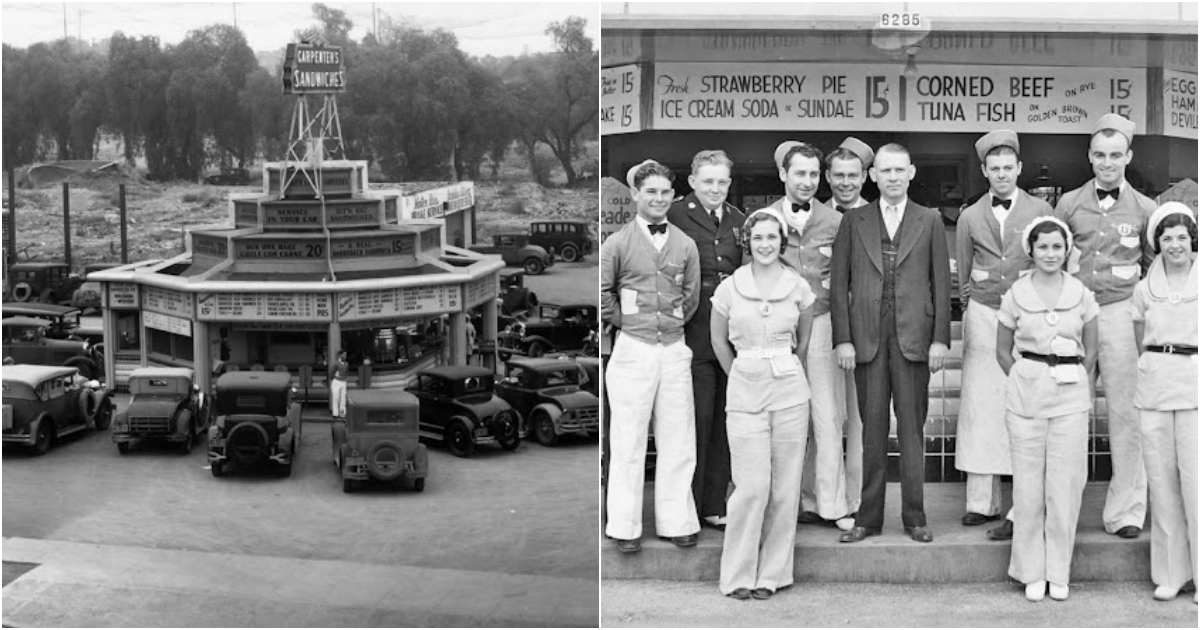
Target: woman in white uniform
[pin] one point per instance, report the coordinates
(1165, 330)
(1050, 318)
(764, 313)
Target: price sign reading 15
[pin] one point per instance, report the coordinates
(900, 20)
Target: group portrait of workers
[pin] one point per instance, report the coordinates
(769, 350)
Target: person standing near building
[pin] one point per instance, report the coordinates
(811, 229)
(1165, 327)
(340, 370)
(715, 226)
(846, 171)
(649, 285)
(1051, 320)
(990, 258)
(890, 301)
(1107, 218)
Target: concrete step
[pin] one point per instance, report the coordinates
(957, 554)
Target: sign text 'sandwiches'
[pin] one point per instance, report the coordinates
(312, 68)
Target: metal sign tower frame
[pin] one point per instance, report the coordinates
(307, 136)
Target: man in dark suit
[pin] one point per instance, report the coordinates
(890, 301)
(715, 227)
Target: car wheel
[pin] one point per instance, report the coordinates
(45, 438)
(509, 436)
(22, 292)
(536, 349)
(504, 356)
(218, 469)
(103, 416)
(385, 460)
(347, 485)
(459, 440)
(569, 253)
(543, 429)
(248, 443)
(534, 266)
(419, 485)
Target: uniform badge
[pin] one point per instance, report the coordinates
(737, 234)
(691, 206)
(765, 309)
(1125, 229)
(679, 278)
(1175, 298)
(1052, 318)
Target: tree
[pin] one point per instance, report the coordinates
(134, 81)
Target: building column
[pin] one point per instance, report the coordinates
(491, 314)
(202, 355)
(457, 338)
(108, 324)
(335, 342)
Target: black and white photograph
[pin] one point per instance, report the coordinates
(898, 314)
(300, 315)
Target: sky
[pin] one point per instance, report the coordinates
(1073, 10)
(482, 28)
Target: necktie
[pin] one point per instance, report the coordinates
(716, 218)
(1114, 193)
(658, 228)
(891, 220)
(1007, 203)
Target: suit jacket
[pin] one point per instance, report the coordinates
(922, 281)
(720, 250)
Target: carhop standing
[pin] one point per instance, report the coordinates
(1108, 220)
(649, 285)
(715, 226)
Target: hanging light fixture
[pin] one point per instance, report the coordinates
(910, 67)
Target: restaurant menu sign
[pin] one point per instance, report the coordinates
(481, 290)
(167, 302)
(616, 206)
(620, 100)
(407, 301)
(438, 202)
(264, 307)
(173, 325)
(122, 295)
(311, 68)
(788, 96)
(1179, 104)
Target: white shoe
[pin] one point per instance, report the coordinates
(1035, 591)
(845, 523)
(1059, 591)
(1165, 593)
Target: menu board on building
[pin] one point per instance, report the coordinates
(293, 214)
(438, 202)
(392, 244)
(620, 100)
(245, 213)
(264, 306)
(122, 295)
(750, 96)
(167, 302)
(1179, 104)
(205, 245)
(173, 325)
(620, 47)
(408, 301)
(616, 206)
(482, 290)
(280, 248)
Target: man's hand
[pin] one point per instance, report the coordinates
(937, 356)
(845, 356)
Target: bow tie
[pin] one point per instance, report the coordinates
(842, 209)
(1114, 193)
(801, 206)
(996, 201)
(658, 228)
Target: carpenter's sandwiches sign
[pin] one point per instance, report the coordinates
(313, 68)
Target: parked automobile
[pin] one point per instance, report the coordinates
(514, 297)
(61, 321)
(547, 393)
(43, 404)
(87, 296)
(591, 369)
(516, 251)
(559, 328)
(380, 439)
(166, 404)
(28, 340)
(47, 282)
(229, 177)
(257, 422)
(459, 408)
(569, 240)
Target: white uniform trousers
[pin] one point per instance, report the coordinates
(647, 381)
(982, 441)
(1169, 442)
(337, 398)
(1125, 503)
(766, 456)
(1049, 473)
(824, 488)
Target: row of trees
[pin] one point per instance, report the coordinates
(415, 104)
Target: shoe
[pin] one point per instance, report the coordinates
(971, 519)
(858, 534)
(1004, 532)
(1035, 591)
(1165, 593)
(628, 546)
(739, 593)
(1129, 531)
(715, 522)
(763, 593)
(846, 523)
(809, 518)
(1059, 592)
(682, 541)
(919, 534)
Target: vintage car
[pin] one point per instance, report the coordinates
(569, 240)
(43, 404)
(517, 252)
(547, 393)
(514, 297)
(459, 408)
(257, 422)
(87, 296)
(591, 369)
(229, 177)
(166, 404)
(29, 340)
(380, 439)
(48, 282)
(565, 328)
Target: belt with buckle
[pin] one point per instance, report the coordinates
(759, 352)
(1172, 349)
(1052, 359)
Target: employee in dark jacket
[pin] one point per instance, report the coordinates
(715, 226)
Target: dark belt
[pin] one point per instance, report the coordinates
(1170, 349)
(1052, 359)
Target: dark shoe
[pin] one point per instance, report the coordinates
(682, 541)
(628, 546)
(1004, 532)
(1129, 531)
(740, 593)
(858, 534)
(810, 518)
(919, 534)
(971, 519)
(763, 593)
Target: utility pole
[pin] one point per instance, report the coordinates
(64, 20)
(234, 14)
(79, 30)
(374, 24)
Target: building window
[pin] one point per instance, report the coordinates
(169, 346)
(129, 325)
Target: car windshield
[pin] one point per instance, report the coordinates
(562, 377)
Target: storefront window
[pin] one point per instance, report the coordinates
(169, 346)
(128, 326)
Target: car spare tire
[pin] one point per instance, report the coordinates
(22, 292)
(385, 460)
(248, 443)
